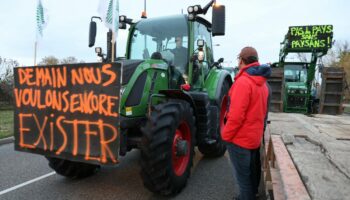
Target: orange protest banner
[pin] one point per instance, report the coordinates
(69, 111)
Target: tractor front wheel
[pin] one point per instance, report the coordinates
(168, 147)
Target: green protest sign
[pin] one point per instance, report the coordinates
(318, 37)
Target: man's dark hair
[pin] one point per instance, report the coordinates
(250, 60)
(249, 55)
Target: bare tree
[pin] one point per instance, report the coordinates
(344, 62)
(339, 56)
(52, 60)
(334, 56)
(7, 79)
(302, 57)
(49, 60)
(69, 60)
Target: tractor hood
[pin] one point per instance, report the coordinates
(129, 67)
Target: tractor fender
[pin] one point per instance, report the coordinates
(214, 82)
(179, 94)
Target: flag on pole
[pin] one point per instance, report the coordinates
(41, 20)
(109, 12)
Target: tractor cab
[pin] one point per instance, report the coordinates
(184, 45)
(155, 39)
(295, 72)
(164, 39)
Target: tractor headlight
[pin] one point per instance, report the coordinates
(197, 9)
(190, 9)
(122, 18)
(98, 50)
(200, 43)
(191, 17)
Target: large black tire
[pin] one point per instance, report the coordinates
(218, 148)
(162, 171)
(71, 169)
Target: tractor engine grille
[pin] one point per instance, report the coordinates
(296, 101)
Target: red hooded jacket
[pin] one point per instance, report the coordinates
(248, 107)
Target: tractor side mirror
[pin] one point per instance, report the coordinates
(92, 33)
(217, 64)
(218, 20)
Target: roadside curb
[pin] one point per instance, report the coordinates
(7, 140)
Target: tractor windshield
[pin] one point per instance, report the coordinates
(161, 38)
(295, 73)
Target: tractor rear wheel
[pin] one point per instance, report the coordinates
(218, 148)
(167, 147)
(71, 169)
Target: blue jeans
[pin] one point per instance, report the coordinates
(247, 170)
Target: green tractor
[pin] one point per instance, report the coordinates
(296, 96)
(173, 96)
(299, 76)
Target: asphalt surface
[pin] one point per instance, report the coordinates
(211, 179)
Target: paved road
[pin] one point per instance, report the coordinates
(211, 179)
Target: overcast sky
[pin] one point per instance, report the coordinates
(258, 23)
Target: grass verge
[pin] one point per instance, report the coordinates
(347, 110)
(6, 123)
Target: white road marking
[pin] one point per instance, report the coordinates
(26, 183)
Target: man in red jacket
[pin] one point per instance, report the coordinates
(245, 121)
